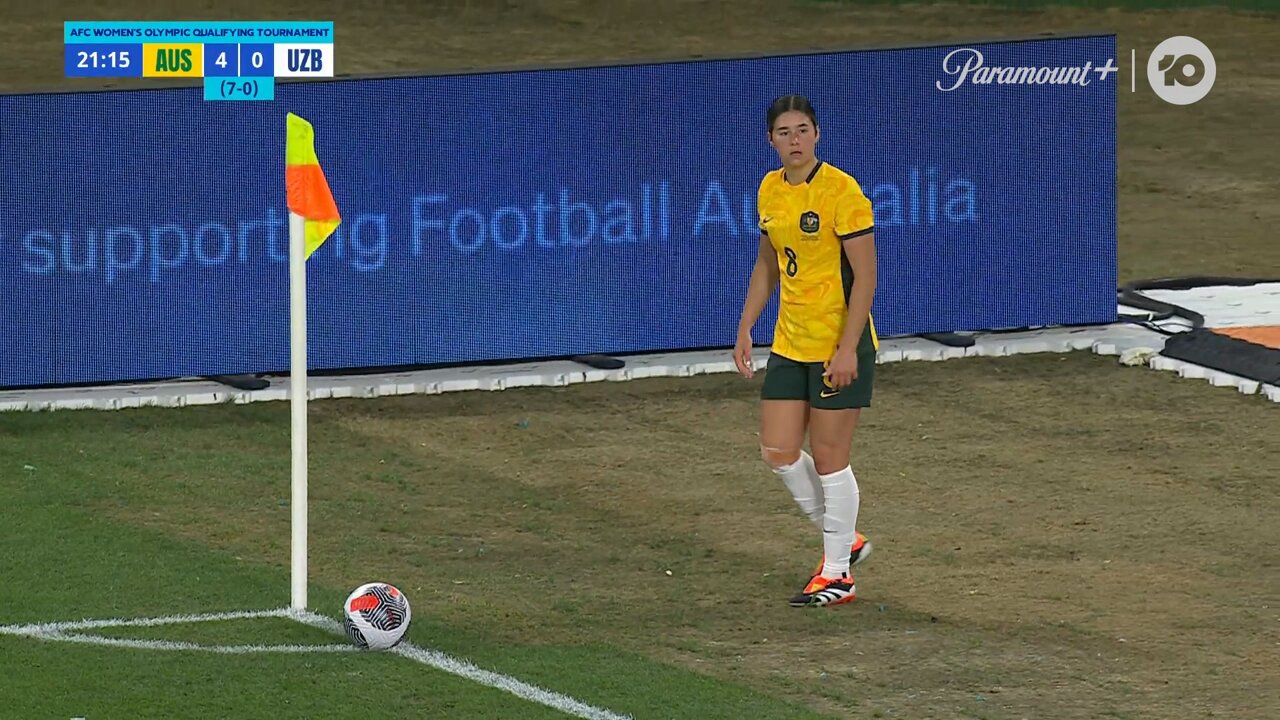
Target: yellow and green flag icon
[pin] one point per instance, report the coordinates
(308, 191)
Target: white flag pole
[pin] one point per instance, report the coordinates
(298, 405)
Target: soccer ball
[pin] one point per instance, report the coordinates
(376, 616)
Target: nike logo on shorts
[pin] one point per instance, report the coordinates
(828, 393)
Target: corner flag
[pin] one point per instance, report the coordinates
(308, 191)
(313, 216)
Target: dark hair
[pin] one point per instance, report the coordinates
(791, 102)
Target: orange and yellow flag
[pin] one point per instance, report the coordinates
(308, 191)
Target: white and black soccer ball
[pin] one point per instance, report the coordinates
(376, 616)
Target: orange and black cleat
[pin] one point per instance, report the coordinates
(823, 591)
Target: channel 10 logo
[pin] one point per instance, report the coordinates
(1181, 70)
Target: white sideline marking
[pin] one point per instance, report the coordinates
(179, 645)
(63, 632)
(66, 632)
(60, 627)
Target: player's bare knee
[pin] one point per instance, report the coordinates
(829, 458)
(779, 457)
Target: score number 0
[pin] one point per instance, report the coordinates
(254, 59)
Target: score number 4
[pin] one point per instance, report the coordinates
(255, 59)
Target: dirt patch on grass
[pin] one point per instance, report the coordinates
(1114, 561)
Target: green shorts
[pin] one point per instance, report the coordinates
(787, 379)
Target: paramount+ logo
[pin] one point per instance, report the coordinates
(1180, 70)
(969, 65)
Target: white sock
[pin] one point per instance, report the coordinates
(801, 478)
(840, 520)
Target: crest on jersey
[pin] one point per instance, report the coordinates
(809, 222)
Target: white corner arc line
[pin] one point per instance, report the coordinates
(67, 632)
(462, 668)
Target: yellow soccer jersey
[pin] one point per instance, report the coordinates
(807, 224)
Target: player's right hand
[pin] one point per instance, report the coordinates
(742, 354)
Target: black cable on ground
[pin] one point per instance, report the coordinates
(1131, 294)
(1199, 345)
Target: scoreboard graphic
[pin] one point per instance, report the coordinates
(237, 60)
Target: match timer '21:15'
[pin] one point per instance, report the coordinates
(198, 60)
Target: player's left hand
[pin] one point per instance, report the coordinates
(842, 369)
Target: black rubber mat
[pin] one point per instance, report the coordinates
(1228, 354)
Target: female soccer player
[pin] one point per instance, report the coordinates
(817, 239)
